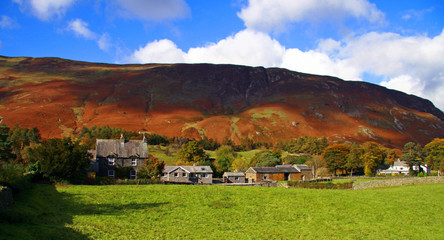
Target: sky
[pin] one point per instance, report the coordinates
(397, 44)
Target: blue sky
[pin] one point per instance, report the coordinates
(397, 44)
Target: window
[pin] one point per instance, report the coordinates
(110, 173)
(184, 174)
(204, 175)
(191, 174)
(176, 174)
(133, 162)
(236, 178)
(265, 176)
(133, 174)
(111, 161)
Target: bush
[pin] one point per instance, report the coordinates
(12, 175)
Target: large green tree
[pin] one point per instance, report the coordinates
(265, 158)
(22, 137)
(336, 156)
(61, 159)
(435, 154)
(413, 156)
(225, 156)
(192, 152)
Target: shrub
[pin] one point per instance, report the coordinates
(12, 175)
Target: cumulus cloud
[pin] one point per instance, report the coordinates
(274, 15)
(45, 9)
(162, 51)
(154, 10)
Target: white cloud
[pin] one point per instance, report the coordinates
(162, 51)
(246, 48)
(80, 28)
(104, 42)
(265, 15)
(7, 22)
(154, 9)
(46, 9)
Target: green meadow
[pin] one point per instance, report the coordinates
(224, 212)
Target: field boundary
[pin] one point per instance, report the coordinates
(397, 182)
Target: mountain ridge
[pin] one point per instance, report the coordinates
(212, 100)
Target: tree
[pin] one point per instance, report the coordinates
(23, 137)
(336, 156)
(413, 156)
(240, 164)
(225, 155)
(392, 156)
(265, 159)
(61, 159)
(354, 160)
(152, 168)
(317, 164)
(434, 151)
(191, 152)
(296, 159)
(373, 156)
(5, 145)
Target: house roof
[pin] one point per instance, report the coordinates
(189, 169)
(302, 167)
(121, 148)
(274, 169)
(234, 174)
(400, 163)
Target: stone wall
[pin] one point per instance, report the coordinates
(397, 182)
(5, 197)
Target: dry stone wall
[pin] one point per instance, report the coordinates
(397, 182)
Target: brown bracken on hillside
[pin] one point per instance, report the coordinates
(60, 97)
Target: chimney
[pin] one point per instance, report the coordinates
(144, 139)
(122, 139)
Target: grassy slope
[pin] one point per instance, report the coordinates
(223, 212)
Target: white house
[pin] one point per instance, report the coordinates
(400, 167)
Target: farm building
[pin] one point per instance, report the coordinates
(400, 167)
(112, 155)
(187, 174)
(305, 170)
(261, 174)
(234, 177)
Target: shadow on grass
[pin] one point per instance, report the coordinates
(44, 213)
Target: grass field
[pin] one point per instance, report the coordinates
(224, 212)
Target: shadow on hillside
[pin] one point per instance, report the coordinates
(39, 213)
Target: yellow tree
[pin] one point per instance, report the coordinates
(435, 154)
(373, 156)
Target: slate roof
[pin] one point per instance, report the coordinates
(275, 169)
(121, 148)
(302, 167)
(190, 169)
(234, 174)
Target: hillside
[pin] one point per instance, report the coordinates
(61, 96)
